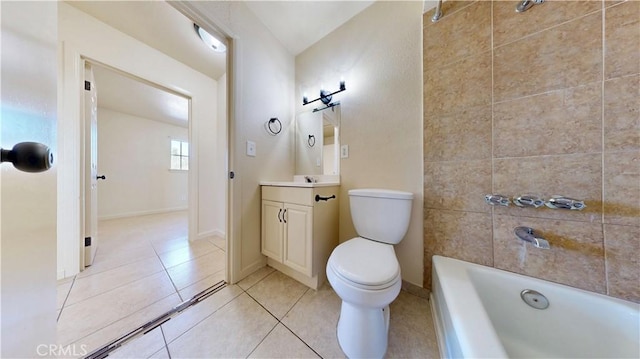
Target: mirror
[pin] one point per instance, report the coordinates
(318, 142)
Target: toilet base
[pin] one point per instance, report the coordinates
(363, 332)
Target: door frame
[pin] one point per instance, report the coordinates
(70, 236)
(233, 231)
(192, 207)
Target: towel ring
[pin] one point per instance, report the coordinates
(274, 126)
(311, 141)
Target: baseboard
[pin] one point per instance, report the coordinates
(213, 233)
(61, 274)
(141, 213)
(416, 290)
(245, 272)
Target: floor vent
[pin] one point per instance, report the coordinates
(104, 351)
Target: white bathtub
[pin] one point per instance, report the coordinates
(478, 313)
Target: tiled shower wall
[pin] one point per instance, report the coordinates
(545, 102)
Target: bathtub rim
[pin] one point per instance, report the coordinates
(477, 321)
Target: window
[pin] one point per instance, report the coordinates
(179, 155)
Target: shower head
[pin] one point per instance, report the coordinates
(527, 4)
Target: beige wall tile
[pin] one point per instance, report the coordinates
(464, 34)
(448, 9)
(459, 185)
(576, 257)
(558, 122)
(622, 39)
(622, 188)
(459, 85)
(562, 57)
(550, 59)
(575, 176)
(622, 113)
(622, 246)
(464, 135)
(462, 235)
(510, 26)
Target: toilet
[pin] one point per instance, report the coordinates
(364, 271)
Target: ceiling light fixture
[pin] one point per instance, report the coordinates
(215, 44)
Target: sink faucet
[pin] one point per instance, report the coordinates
(526, 234)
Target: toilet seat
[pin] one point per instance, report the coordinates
(365, 264)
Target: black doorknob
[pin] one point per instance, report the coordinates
(103, 177)
(28, 156)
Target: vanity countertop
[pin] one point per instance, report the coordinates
(299, 184)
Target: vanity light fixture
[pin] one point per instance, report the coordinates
(210, 40)
(325, 96)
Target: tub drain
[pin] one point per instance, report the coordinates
(534, 299)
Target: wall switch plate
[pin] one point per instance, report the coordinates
(251, 148)
(344, 151)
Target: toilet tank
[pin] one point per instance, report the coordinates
(380, 214)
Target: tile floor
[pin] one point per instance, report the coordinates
(266, 315)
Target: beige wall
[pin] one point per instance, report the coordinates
(378, 54)
(545, 103)
(133, 152)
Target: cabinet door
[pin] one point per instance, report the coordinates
(272, 229)
(297, 238)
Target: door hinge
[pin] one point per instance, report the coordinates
(87, 241)
(231, 175)
(87, 85)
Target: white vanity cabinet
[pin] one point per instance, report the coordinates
(298, 231)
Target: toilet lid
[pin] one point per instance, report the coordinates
(365, 262)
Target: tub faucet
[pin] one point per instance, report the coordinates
(526, 234)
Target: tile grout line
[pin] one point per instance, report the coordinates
(64, 302)
(493, 159)
(279, 321)
(166, 345)
(602, 170)
(166, 271)
(112, 289)
(203, 319)
(115, 321)
(263, 339)
(304, 342)
(552, 27)
(116, 267)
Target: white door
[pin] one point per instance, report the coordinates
(90, 166)
(28, 54)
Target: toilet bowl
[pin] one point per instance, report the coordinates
(365, 273)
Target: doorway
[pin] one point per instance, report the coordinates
(140, 144)
(149, 271)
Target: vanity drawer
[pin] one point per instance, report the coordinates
(302, 196)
